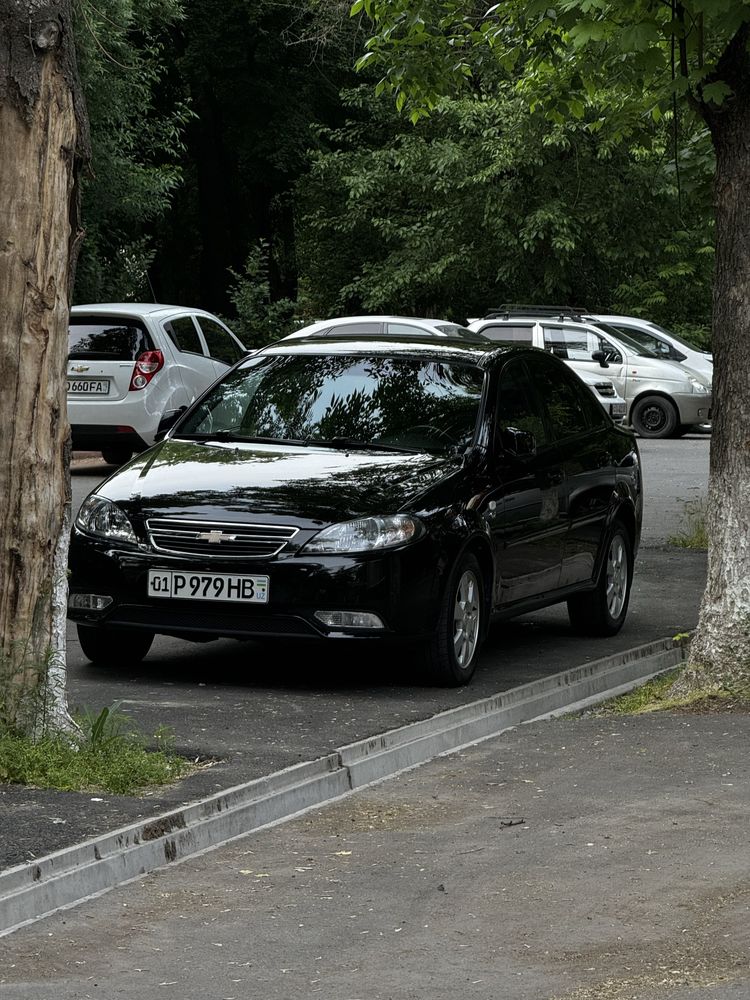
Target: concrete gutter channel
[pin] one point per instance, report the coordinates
(39, 888)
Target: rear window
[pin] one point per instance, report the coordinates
(508, 333)
(107, 340)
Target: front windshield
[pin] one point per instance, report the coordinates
(626, 341)
(456, 332)
(680, 340)
(338, 399)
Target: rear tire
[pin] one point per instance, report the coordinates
(602, 611)
(116, 454)
(114, 647)
(654, 417)
(452, 654)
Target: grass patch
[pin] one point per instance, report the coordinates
(653, 696)
(693, 533)
(111, 756)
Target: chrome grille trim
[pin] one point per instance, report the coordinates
(181, 537)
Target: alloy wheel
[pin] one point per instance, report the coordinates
(466, 619)
(617, 576)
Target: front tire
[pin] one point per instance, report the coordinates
(654, 417)
(453, 652)
(602, 611)
(114, 647)
(117, 454)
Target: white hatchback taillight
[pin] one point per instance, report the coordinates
(146, 366)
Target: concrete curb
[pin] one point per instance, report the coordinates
(67, 877)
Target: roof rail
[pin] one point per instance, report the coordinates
(521, 309)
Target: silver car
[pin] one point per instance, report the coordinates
(134, 367)
(663, 398)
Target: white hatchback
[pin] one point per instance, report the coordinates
(134, 367)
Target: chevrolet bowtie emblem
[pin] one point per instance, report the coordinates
(79, 368)
(215, 537)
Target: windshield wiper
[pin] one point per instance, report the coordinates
(232, 436)
(346, 443)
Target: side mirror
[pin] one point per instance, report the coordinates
(601, 357)
(518, 443)
(168, 421)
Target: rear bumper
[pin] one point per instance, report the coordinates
(94, 437)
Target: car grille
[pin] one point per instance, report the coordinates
(218, 539)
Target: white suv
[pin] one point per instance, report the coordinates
(663, 398)
(133, 368)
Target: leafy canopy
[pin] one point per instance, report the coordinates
(626, 60)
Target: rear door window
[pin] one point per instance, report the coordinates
(571, 408)
(184, 335)
(101, 339)
(221, 344)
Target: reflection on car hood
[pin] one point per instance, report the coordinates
(319, 485)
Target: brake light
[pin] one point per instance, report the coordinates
(146, 366)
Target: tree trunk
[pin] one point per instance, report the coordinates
(42, 134)
(720, 651)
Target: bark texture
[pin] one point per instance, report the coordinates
(42, 136)
(720, 651)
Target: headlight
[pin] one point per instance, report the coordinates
(699, 386)
(100, 516)
(365, 534)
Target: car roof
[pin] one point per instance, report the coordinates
(134, 309)
(376, 318)
(414, 346)
(420, 322)
(486, 355)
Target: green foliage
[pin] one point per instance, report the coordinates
(106, 726)
(261, 320)
(620, 61)
(123, 51)
(260, 76)
(111, 756)
(484, 202)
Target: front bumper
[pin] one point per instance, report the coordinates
(403, 587)
(694, 408)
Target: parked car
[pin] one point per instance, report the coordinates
(383, 326)
(360, 327)
(606, 394)
(391, 489)
(663, 398)
(661, 342)
(133, 367)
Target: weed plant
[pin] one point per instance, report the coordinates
(693, 534)
(111, 755)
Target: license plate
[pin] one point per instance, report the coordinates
(89, 386)
(208, 586)
(618, 409)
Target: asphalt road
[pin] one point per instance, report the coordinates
(248, 709)
(583, 859)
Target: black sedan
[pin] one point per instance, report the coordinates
(365, 488)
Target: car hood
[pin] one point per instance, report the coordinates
(308, 484)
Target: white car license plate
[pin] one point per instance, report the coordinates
(89, 386)
(208, 586)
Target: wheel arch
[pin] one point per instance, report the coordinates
(654, 392)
